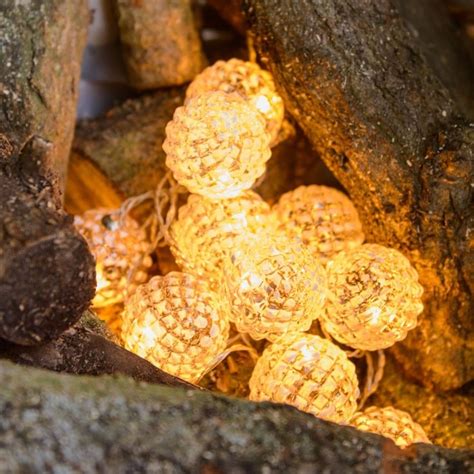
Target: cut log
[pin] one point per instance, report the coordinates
(107, 424)
(41, 48)
(160, 42)
(80, 351)
(385, 95)
(46, 271)
(126, 144)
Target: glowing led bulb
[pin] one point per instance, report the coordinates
(120, 250)
(216, 145)
(177, 324)
(310, 373)
(250, 81)
(391, 423)
(274, 286)
(374, 297)
(323, 218)
(206, 230)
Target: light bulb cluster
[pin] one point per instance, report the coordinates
(271, 272)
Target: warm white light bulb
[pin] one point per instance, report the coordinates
(374, 297)
(216, 145)
(310, 373)
(275, 287)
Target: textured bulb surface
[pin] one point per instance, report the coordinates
(374, 297)
(310, 373)
(247, 79)
(177, 324)
(207, 230)
(119, 248)
(323, 218)
(391, 423)
(216, 145)
(274, 286)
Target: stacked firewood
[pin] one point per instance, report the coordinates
(386, 101)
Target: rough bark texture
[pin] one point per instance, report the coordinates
(378, 93)
(46, 271)
(41, 48)
(79, 350)
(160, 42)
(114, 425)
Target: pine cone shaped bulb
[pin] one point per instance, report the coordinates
(216, 145)
(176, 323)
(207, 230)
(391, 423)
(374, 297)
(120, 248)
(323, 218)
(309, 373)
(274, 286)
(248, 80)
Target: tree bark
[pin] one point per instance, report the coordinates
(46, 271)
(115, 425)
(126, 143)
(385, 95)
(80, 351)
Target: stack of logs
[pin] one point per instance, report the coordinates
(384, 92)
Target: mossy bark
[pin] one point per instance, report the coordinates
(116, 425)
(46, 271)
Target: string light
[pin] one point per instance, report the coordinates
(206, 230)
(120, 248)
(310, 373)
(250, 81)
(177, 324)
(391, 423)
(374, 297)
(216, 145)
(323, 218)
(274, 287)
(269, 261)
